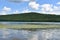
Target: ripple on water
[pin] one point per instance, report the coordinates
(41, 34)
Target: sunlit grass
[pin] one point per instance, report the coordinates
(28, 26)
(36, 26)
(3, 26)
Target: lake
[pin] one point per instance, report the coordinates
(39, 34)
(29, 22)
(22, 34)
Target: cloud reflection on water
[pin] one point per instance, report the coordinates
(48, 34)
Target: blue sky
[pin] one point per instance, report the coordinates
(22, 6)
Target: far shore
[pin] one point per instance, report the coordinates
(29, 26)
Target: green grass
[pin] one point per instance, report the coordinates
(28, 26)
(35, 26)
(3, 26)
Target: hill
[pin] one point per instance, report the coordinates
(30, 17)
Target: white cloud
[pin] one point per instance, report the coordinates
(26, 11)
(56, 8)
(54, 12)
(3, 13)
(34, 5)
(58, 2)
(50, 9)
(46, 7)
(16, 12)
(6, 9)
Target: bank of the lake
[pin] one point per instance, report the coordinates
(29, 25)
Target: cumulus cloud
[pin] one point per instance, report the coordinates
(34, 5)
(56, 13)
(3, 13)
(46, 7)
(58, 2)
(6, 9)
(16, 12)
(56, 8)
(50, 9)
(26, 11)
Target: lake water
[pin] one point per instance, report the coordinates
(29, 22)
(38, 34)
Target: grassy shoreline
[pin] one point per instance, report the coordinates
(29, 26)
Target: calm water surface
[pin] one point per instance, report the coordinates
(29, 22)
(39, 34)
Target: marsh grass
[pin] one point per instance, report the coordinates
(29, 26)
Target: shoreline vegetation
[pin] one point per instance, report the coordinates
(30, 27)
(30, 17)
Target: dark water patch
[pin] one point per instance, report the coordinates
(33, 29)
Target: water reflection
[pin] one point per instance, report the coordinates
(41, 34)
(10, 23)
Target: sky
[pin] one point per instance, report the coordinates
(25, 6)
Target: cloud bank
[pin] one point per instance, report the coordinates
(34, 5)
(5, 10)
(58, 2)
(42, 8)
